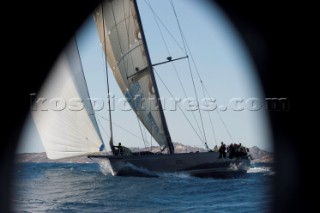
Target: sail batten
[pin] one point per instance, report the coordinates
(127, 54)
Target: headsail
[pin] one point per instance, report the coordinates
(128, 58)
(63, 113)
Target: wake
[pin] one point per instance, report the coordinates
(260, 170)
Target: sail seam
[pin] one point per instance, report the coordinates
(124, 55)
(117, 30)
(128, 40)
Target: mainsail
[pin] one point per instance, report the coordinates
(63, 113)
(122, 38)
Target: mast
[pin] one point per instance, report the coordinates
(162, 117)
(110, 118)
(109, 105)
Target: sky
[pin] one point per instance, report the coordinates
(221, 58)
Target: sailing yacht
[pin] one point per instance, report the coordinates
(74, 132)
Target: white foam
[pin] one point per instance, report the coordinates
(105, 167)
(259, 170)
(233, 166)
(176, 175)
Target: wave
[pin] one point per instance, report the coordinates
(136, 171)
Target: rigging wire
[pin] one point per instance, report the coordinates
(190, 54)
(143, 138)
(119, 126)
(103, 128)
(173, 65)
(190, 70)
(206, 91)
(179, 107)
(209, 115)
(145, 134)
(213, 131)
(222, 121)
(155, 15)
(201, 81)
(150, 130)
(208, 94)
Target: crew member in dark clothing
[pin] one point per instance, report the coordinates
(236, 150)
(222, 150)
(231, 151)
(120, 149)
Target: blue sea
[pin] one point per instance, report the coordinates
(63, 187)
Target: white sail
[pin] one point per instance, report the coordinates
(121, 37)
(63, 113)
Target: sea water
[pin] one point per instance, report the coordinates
(62, 187)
